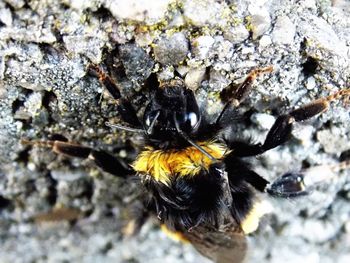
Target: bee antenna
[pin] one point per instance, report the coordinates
(150, 129)
(124, 128)
(192, 142)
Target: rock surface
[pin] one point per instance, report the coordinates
(46, 92)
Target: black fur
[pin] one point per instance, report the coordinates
(189, 201)
(202, 199)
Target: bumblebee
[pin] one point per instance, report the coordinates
(196, 180)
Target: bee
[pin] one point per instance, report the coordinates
(195, 178)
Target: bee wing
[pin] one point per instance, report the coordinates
(221, 247)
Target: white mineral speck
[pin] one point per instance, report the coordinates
(260, 24)
(182, 70)
(203, 12)
(194, 78)
(318, 231)
(304, 133)
(31, 166)
(260, 19)
(284, 31)
(33, 104)
(16, 3)
(201, 46)
(237, 34)
(265, 41)
(309, 3)
(310, 83)
(347, 227)
(332, 140)
(264, 120)
(167, 73)
(145, 11)
(6, 16)
(218, 81)
(81, 4)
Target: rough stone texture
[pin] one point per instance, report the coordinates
(45, 92)
(171, 50)
(137, 10)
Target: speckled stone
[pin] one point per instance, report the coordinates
(149, 12)
(260, 19)
(137, 63)
(237, 34)
(194, 78)
(202, 46)
(46, 92)
(284, 31)
(205, 12)
(171, 50)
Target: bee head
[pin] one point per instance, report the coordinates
(173, 108)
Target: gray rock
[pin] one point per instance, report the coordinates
(194, 78)
(260, 19)
(265, 121)
(218, 81)
(333, 140)
(236, 34)
(203, 13)
(284, 31)
(166, 74)
(320, 33)
(83, 45)
(202, 47)
(6, 16)
(16, 3)
(265, 41)
(171, 50)
(137, 63)
(45, 92)
(149, 12)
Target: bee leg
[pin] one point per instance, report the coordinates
(124, 107)
(295, 184)
(237, 95)
(282, 128)
(288, 185)
(235, 166)
(102, 159)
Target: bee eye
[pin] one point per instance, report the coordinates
(189, 120)
(192, 119)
